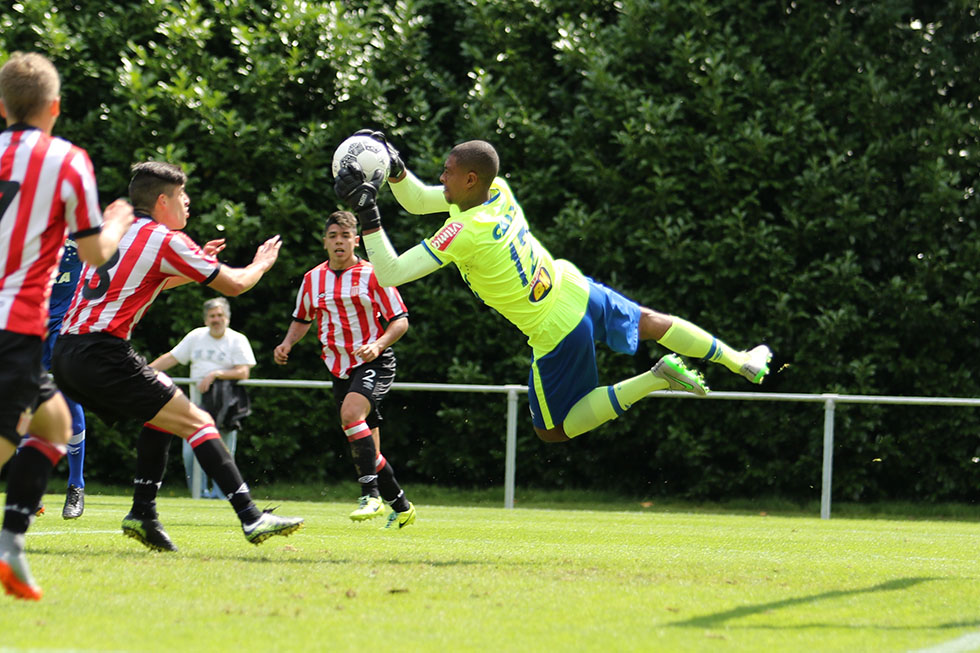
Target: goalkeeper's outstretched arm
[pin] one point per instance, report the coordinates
(392, 269)
(361, 195)
(416, 197)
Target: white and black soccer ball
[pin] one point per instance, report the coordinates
(369, 154)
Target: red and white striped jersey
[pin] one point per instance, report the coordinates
(47, 190)
(113, 297)
(348, 306)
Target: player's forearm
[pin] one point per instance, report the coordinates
(416, 197)
(396, 329)
(295, 332)
(392, 269)
(97, 248)
(235, 281)
(164, 362)
(236, 373)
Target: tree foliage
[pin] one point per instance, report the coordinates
(796, 173)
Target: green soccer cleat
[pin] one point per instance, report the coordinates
(368, 507)
(268, 525)
(679, 376)
(148, 532)
(757, 366)
(401, 519)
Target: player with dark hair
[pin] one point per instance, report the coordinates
(95, 363)
(344, 297)
(561, 311)
(47, 191)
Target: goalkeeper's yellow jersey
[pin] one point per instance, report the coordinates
(502, 262)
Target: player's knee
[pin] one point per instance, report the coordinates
(556, 434)
(52, 421)
(653, 325)
(349, 416)
(64, 435)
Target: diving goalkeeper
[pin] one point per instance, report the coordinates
(560, 310)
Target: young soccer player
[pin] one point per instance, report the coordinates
(47, 191)
(560, 310)
(344, 297)
(65, 282)
(95, 363)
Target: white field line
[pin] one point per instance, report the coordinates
(32, 533)
(4, 649)
(965, 644)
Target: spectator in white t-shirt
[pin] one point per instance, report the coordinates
(214, 351)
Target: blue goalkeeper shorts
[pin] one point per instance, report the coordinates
(560, 378)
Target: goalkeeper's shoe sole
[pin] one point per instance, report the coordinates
(368, 508)
(401, 519)
(16, 577)
(148, 532)
(268, 525)
(756, 367)
(679, 376)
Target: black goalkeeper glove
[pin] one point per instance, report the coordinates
(397, 166)
(360, 194)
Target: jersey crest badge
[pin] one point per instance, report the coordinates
(541, 285)
(445, 235)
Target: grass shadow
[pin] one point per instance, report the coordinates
(717, 619)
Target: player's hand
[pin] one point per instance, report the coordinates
(212, 247)
(268, 252)
(120, 211)
(397, 167)
(367, 353)
(281, 354)
(205, 384)
(360, 193)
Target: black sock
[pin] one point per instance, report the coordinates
(152, 451)
(365, 456)
(370, 489)
(28, 474)
(390, 490)
(218, 464)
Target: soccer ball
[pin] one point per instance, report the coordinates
(369, 154)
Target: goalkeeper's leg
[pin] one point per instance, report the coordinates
(564, 398)
(687, 339)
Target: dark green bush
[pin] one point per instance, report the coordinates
(796, 173)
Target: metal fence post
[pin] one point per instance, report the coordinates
(510, 448)
(196, 472)
(828, 454)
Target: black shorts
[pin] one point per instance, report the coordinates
(373, 380)
(104, 374)
(24, 385)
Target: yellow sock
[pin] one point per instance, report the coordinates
(691, 340)
(609, 402)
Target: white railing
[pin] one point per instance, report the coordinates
(829, 401)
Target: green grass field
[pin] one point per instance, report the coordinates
(489, 579)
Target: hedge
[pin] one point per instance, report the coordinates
(801, 174)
